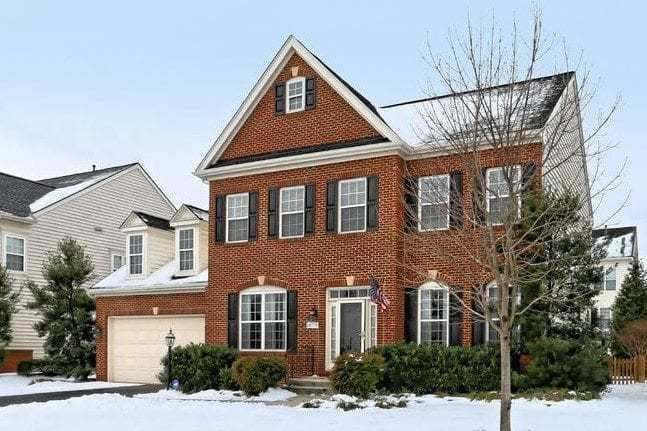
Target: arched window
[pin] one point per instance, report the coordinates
(433, 312)
(263, 318)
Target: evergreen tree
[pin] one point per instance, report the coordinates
(631, 302)
(67, 311)
(8, 300)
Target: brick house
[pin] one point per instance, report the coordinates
(306, 210)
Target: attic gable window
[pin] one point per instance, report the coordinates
(186, 249)
(296, 94)
(136, 254)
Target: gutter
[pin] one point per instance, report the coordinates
(160, 289)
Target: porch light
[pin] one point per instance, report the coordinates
(170, 340)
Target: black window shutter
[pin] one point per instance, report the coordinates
(310, 93)
(372, 200)
(456, 200)
(455, 320)
(292, 321)
(272, 212)
(331, 207)
(478, 326)
(479, 197)
(309, 210)
(411, 204)
(232, 320)
(221, 210)
(253, 216)
(279, 99)
(411, 314)
(527, 174)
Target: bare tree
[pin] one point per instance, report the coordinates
(634, 338)
(521, 152)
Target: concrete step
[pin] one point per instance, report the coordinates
(309, 385)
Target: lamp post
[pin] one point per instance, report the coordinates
(170, 340)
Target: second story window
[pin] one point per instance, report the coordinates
(604, 318)
(117, 261)
(292, 212)
(352, 205)
(237, 217)
(498, 191)
(433, 211)
(14, 253)
(136, 254)
(608, 281)
(296, 94)
(186, 249)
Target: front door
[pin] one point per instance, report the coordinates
(350, 327)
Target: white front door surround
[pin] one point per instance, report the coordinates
(351, 322)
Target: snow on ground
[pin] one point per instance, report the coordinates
(271, 395)
(624, 407)
(12, 384)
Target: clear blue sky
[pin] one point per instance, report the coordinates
(85, 83)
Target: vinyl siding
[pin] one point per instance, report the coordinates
(606, 298)
(160, 248)
(93, 218)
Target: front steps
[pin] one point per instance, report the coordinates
(309, 385)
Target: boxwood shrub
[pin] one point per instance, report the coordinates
(424, 369)
(198, 366)
(256, 374)
(357, 374)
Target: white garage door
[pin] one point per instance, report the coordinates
(136, 344)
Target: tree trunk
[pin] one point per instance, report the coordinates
(506, 387)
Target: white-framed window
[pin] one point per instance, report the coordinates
(498, 191)
(433, 202)
(136, 254)
(296, 94)
(186, 249)
(117, 260)
(352, 205)
(237, 217)
(263, 320)
(608, 281)
(14, 253)
(291, 212)
(604, 318)
(491, 334)
(433, 312)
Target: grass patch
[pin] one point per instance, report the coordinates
(544, 394)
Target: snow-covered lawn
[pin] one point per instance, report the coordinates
(12, 384)
(622, 408)
(271, 395)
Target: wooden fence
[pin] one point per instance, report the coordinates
(628, 371)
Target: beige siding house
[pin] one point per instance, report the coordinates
(89, 207)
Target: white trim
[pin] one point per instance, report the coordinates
(234, 195)
(339, 206)
(143, 254)
(262, 290)
(291, 46)
(157, 289)
(195, 249)
(281, 213)
(302, 80)
(434, 286)
(112, 260)
(488, 192)
(420, 204)
(24, 252)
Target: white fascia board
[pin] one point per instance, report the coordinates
(197, 287)
(17, 219)
(291, 46)
(303, 161)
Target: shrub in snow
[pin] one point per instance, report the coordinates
(227, 380)
(426, 369)
(8, 300)
(34, 366)
(558, 363)
(256, 374)
(357, 374)
(199, 367)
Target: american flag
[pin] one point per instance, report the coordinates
(377, 297)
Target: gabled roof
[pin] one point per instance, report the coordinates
(189, 214)
(74, 179)
(293, 46)
(618, 241)
(17, 193)
(199, 212)
(150, 220)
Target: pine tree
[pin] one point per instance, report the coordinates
(631, 302)
(67, 311)
(8, 300)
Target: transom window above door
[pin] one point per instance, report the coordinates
(352, 205)
(292, 210)
(296, 94)
(433, 211)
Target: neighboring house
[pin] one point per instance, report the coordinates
(621, 245)
(306, 207)
(89, 207)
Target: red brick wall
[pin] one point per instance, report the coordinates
(13, 358)
(332, 120)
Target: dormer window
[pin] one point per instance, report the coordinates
(296, 94)
(186, 246)
(136, 254)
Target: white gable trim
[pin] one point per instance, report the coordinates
(184, 216)
(291, 46)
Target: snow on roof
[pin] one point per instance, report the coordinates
(64, 192)
(163, 277)
(618, 242)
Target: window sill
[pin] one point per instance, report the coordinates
(263, 351)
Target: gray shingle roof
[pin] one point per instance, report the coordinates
(74, 179)
(198, 212)
(154, 221)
